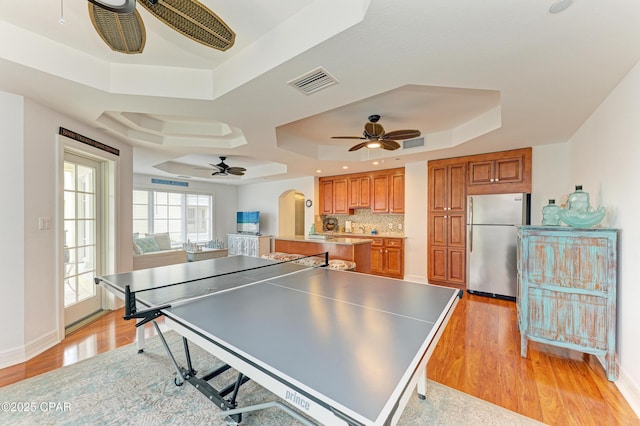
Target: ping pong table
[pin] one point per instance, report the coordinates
(340, 347)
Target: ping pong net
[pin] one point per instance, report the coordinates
(165, 294)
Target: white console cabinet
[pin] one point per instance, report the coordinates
(249, 245)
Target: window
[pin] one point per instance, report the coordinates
(186, 217)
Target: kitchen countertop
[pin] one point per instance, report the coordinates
(335, 240)
(361, 235)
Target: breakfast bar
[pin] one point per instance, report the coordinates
(356, 250)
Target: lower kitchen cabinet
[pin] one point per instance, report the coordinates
(387, 257)
(567, 290)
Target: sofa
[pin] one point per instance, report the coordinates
(153, 250)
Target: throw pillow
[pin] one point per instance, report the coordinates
(147, 244)
(163, 240)
(136, 248)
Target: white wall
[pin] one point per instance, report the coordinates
(264, 197)
(415, 222)
(32, 157)
(604, 156)
(225, 201)
(12, 302)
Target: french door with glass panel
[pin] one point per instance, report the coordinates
(81, 237)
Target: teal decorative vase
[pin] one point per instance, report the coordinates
(551, 214)
(579, 200)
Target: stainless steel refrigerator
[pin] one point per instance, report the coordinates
(491, 242)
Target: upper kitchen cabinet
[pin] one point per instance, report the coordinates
(359, 191)
(333, 195)
(500, 172)
(387, 195)
(382, 191)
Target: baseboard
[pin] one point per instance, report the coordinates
(21, 354)
(630, 390)
(416, 279)
(41, 344)
(12, 356)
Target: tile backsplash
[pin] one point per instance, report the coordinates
(387, 224)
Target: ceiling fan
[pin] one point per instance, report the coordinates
(222, 169)
(121, 27)
(374, 136)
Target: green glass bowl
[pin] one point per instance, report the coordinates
(584, 219)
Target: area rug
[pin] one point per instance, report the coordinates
(123, 387)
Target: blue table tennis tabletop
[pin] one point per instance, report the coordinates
(327, 341)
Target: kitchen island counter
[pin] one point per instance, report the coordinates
(325, 238)
(356, 250)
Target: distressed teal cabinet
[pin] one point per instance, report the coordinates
(567, 289)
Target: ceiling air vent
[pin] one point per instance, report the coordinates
(313, 81)
(413, 143)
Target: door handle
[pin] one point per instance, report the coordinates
(470, 224)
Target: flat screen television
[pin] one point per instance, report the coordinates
(248, 222)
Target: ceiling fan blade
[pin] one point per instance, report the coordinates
(348, 137)
(402, 134)
(125, 6)
(389, 145)
(358, 146)
(220, 167)
(122, 32)
(373, 130)
(193, 20)
(236, 170)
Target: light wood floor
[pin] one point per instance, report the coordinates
(479, 354)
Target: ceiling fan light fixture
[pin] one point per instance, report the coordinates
(116, 6)
(373, 145)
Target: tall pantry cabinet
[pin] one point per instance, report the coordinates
(446, 227)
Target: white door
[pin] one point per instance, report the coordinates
(81, 237)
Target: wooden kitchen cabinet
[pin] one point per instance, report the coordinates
(326, 196)
(396, 191)
(387, 195)
(359, 191)
(387, 257)
(500, 172)
(567, 289)
(447, 222)
(382, 191)
(333, 195)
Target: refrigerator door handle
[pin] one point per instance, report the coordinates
(470, 224)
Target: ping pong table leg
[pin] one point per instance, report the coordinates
(140, 337)
(422, 382)
(179, 380)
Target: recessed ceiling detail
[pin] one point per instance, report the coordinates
(313, 81)
(168, 130)
(202, 165)
(445, 116)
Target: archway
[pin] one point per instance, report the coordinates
(291, 213)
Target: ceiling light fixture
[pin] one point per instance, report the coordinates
(560, 5)
(116, 6)
(374, 144)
